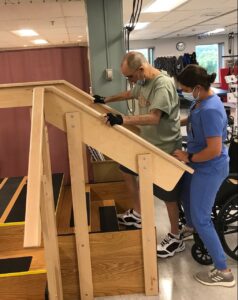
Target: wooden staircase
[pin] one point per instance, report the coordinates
(101, 263)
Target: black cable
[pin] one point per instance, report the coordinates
(132, 14)
(230, 42)
(136, 10)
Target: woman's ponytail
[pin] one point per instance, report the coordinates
(212, 77)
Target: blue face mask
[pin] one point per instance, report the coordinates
(141, 81)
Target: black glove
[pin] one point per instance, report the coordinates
(98, 99)
(114, 119)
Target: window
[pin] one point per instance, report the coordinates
(210, 57)
(148, 53)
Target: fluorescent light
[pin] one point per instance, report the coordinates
(140, 25)
(163, 5)
(216, 31)
(39, 42)
(25, 32)
(208, 33)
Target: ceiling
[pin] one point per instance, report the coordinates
(64, 22)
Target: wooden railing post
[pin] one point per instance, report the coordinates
(76, 156)
(148, 224)
(49, 226)
(32, 232)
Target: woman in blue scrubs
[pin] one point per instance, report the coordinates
(208, 156)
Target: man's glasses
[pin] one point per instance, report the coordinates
(131, 75)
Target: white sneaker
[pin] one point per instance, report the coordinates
(169, 246)
(130, 218)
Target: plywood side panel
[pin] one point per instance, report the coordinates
(23, 287)
(117, 264)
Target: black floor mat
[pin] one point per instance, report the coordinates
(7, 191)
(108, 219)
(57, 179)
(15, 264)
(17, 213)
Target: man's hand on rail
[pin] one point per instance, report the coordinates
(113, 119)
(98, 99)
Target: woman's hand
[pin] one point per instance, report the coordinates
(181, 155)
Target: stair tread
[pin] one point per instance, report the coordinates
(15, 264)
(7, 192)
(17, 210)
(37, 254)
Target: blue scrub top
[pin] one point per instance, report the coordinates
(208, 120)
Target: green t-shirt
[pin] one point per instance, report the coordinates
(160, 93)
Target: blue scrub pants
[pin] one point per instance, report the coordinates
(198, 196)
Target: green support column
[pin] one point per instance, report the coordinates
(106, 47)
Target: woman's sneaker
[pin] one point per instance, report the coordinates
(169, 246)
(216, 277)
(130, 218)
(186, 233)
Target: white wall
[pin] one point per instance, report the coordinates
(167, 47)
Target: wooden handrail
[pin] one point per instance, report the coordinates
(122, 129)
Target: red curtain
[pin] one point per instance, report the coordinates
(68, 63)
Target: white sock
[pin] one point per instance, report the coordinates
(177, 236)
(136, 214)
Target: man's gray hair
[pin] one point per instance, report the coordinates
(134, 60)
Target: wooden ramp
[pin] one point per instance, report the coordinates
(72, 111)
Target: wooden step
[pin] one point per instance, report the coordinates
(116, 191)
(13, 217)
(65, 218)
(100, 220)
(22, 275)
(96, 196)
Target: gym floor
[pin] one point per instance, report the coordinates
(176, 280)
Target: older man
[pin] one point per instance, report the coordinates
(160, 125)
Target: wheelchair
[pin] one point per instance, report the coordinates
(224, 214)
